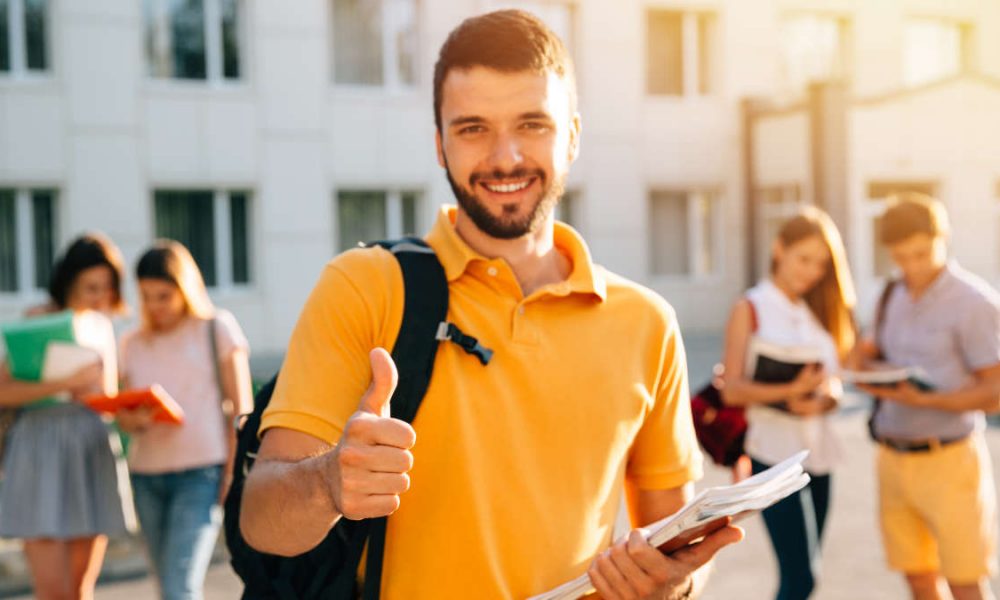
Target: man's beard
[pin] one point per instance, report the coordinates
(507, 226)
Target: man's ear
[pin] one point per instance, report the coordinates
(576, 126)
(439, 146)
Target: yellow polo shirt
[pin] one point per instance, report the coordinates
(518, 465)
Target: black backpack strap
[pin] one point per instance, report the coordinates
(425, 306)
(883, 302)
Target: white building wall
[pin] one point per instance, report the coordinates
(106, 135)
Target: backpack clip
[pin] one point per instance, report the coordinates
(450, 332)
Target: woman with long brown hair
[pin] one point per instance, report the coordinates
(61, 491)
(803, 306)
(180, 473)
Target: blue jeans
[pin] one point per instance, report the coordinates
(180, 520)
(795, 526)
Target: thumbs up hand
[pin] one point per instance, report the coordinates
(368, 469)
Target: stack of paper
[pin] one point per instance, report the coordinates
(709, 511)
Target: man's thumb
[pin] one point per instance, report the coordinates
(384, 378)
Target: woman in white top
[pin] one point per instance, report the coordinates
(805, 304)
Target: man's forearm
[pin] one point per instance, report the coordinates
(287, 507)
(983, 396)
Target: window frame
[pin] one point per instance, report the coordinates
(394, 210)
(845, 55)
(17, 38)
(214, 53)
(696, 274)
(222, 234)
(26, 258)
(966, 47)
(391, 81)
(693, 65)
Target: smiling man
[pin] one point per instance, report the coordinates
(514, 484)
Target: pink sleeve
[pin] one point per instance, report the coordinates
(229, 335)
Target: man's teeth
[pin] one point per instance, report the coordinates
(506, 188)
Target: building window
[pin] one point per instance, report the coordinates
(368, 215)
(680, 53)
(27, 239)
(375, 42)
(878, 193)
(194, 39)
(776, 204)
(24, 46)
(814, 48)
(683, 233)
(559, 15)
(935, 49)
(215, 226)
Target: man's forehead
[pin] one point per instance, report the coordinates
(488, 92)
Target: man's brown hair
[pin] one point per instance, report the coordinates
(505, 40)
(912, 213)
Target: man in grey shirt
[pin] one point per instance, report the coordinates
(936, 491)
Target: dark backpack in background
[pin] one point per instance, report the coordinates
(329, 570)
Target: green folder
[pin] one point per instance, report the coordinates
(27, 341)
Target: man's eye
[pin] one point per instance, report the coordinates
(535, 126)
(471, 129)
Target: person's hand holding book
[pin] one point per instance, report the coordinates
(84, 381)
(368, 469)
(809, 379)
(903, 392)
(635, 569)
(134, 420)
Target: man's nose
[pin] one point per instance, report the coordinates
(506, 153)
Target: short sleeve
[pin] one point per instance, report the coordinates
(351, 310)
(979, 334)
(229, 335)
(665, 452)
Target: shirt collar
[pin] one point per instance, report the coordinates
(456, 256)
(941, 282)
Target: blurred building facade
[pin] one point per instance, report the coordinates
(269, 135)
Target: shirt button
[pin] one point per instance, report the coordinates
(520, 310)
(492, 271)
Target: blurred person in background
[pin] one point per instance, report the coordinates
(181, 473)
(805, 302)
(936, 492)
(61, 490)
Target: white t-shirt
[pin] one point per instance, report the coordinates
(180, 360)
(774, 435)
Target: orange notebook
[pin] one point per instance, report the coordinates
(165, 408)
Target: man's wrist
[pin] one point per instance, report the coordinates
(322, 466)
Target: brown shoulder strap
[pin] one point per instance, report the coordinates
(754, 322)
(883, 302)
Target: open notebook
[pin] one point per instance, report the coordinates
(708, 512)
(887, 375)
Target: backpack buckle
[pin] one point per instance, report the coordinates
(451, 333)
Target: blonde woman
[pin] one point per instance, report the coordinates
(806, 302)
(180, 474)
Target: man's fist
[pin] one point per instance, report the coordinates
(368, 469)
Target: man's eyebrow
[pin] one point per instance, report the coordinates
(536, 116)
(466, 121)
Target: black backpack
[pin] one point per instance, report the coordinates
(329, 570)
